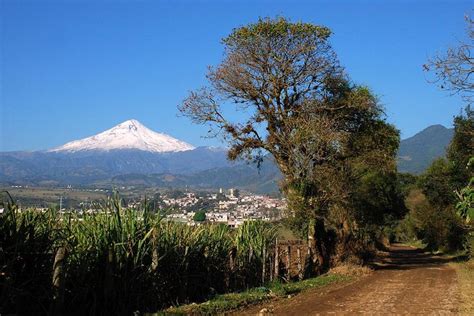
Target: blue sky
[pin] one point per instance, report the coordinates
(72, 68)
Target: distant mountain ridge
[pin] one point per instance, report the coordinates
(141, 157)
(417, 152)
(243, 176)
(85, 167)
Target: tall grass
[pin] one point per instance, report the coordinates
(26, 242)
(122, 260)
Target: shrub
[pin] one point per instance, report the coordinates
(437, 226)
(199, 216)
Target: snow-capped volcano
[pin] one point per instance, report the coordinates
(130, 134)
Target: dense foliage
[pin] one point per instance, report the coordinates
(441, 205)
(438, 227)
(461, 148)
(465, 205)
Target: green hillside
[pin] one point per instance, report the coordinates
(417, 152)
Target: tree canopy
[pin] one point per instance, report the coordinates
(324, 132)
(302, 107)
(461, 148)
(271, 69)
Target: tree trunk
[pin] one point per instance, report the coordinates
(317, 242)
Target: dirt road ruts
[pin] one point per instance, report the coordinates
(406, 281)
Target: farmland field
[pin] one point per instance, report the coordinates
(45, 197)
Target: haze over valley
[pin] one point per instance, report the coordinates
(130, 154)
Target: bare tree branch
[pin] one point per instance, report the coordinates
(454, 70)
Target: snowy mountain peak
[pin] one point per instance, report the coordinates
(130, 134)
(131, 125)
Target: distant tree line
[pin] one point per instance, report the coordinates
(441, 200)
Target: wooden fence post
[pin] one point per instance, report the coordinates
(232, 259)
(288, 263)
(154, 254)
(264, 256)
(277, 260)
(270, 265)
(183, 296)
(58, 281)
(208, 267)
(300, 266)
(109, 278)
(230, 273)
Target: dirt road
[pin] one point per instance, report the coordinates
(406, 281)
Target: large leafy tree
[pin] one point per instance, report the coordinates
(436, 183)
(271, 70)
(461, 149)
(300, 107)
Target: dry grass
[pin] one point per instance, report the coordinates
(465, 273)
(38, 196)
(414, 198)
(348, 269)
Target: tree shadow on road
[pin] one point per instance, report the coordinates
(401, 257)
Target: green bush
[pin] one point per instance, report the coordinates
(199, 216)
(437, 226)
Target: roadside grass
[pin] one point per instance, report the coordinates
(352, 270)
(233, 301)
(284, 233)
(415, 244)
(465, 276)
(465, 273)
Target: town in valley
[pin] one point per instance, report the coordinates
(220, 206)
